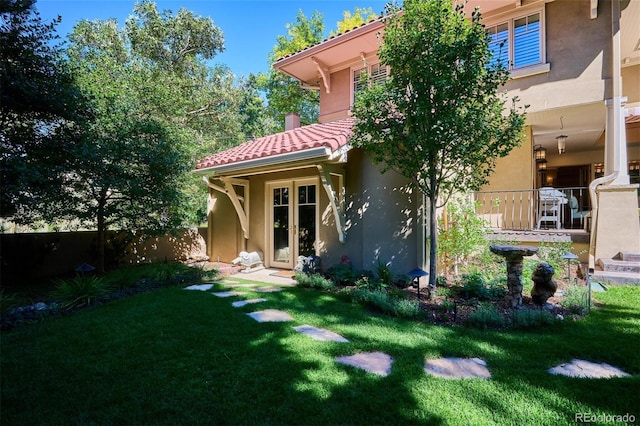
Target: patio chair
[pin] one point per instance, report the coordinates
(550, 206)
(576, 213)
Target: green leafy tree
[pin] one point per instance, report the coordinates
(284, 94)
(38, 104)
(438, 120)
(353, 20)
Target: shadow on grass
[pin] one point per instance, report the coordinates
(187, 357)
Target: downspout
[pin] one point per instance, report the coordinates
(604, 180)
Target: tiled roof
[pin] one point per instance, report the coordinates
(330, 38)
(332, 135)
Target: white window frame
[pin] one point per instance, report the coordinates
(530, 69)
(359, 68)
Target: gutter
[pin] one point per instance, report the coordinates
(320, 153)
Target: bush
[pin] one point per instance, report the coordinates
(475, 286)
(485, 317)
(82, 290)
(576, 299)
(528, 318)
(386, 303)
(8, 302)
(406, 308)
(314, 281)
(342, 274)
(383, 272)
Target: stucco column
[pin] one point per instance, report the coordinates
(615, 156)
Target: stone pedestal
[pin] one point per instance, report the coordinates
(513, 255)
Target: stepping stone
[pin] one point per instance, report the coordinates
(199, 287)
(270, 315)
(587, 370)
(241, 303)
(228, 293)
(319, 333)
(268, 289)
(457, 368)
(373, 362)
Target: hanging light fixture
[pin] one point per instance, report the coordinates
(562, 139)
(539, 153)
(542, 165)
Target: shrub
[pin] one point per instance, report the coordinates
(406, 308)
(342, 274)
(576, 299)
(8, 302)
(485, 317)
(383, 272)
(461, 235)
(313, 281)
(475, 286)
(528, 318)
(82, 290)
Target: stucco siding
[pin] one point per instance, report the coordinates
(578, 51)
(382, 221)
(336, 104)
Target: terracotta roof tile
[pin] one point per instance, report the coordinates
(332, 135)
(330, 38)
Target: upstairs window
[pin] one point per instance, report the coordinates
(377, 74)
(518, 42)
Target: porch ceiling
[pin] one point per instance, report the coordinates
(584, 125)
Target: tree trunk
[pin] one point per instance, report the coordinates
(433, 246)
(101, 232)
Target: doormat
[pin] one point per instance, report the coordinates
(284, 274)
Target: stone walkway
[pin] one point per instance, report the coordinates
(380, 363)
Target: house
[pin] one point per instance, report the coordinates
(307, 191)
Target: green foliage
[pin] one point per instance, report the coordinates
(39, 106)
(343, 274)
(393, 303)
(284, 93)
(476, 286)
(528, 318)
(8, 301)
(486, 316)
(576, 299)
(461, 235)
(439, 120)
(383, 272)
(352, 20)
(314, 281)
(83, 290)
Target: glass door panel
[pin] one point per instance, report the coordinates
(281, 252)
(306, 220)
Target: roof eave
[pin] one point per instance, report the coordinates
(287, 159)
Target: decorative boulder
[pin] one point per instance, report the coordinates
(544, 285)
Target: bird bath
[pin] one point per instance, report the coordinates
(513, 255)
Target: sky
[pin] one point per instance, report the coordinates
(250, 27)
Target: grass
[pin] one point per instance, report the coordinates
(186, 357)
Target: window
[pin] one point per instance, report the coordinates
(519, 42)
(377, 74)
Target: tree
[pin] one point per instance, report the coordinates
(38, 100)
(352, 20)
(284, 94)
(438, 120)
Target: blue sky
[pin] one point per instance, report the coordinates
(250, 27)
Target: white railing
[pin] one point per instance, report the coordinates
(533, 209)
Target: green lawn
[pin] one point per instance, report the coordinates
(186, 357)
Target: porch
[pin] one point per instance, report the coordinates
(535, 210)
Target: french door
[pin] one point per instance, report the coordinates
(292, 220)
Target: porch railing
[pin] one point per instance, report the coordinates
(531, 209)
